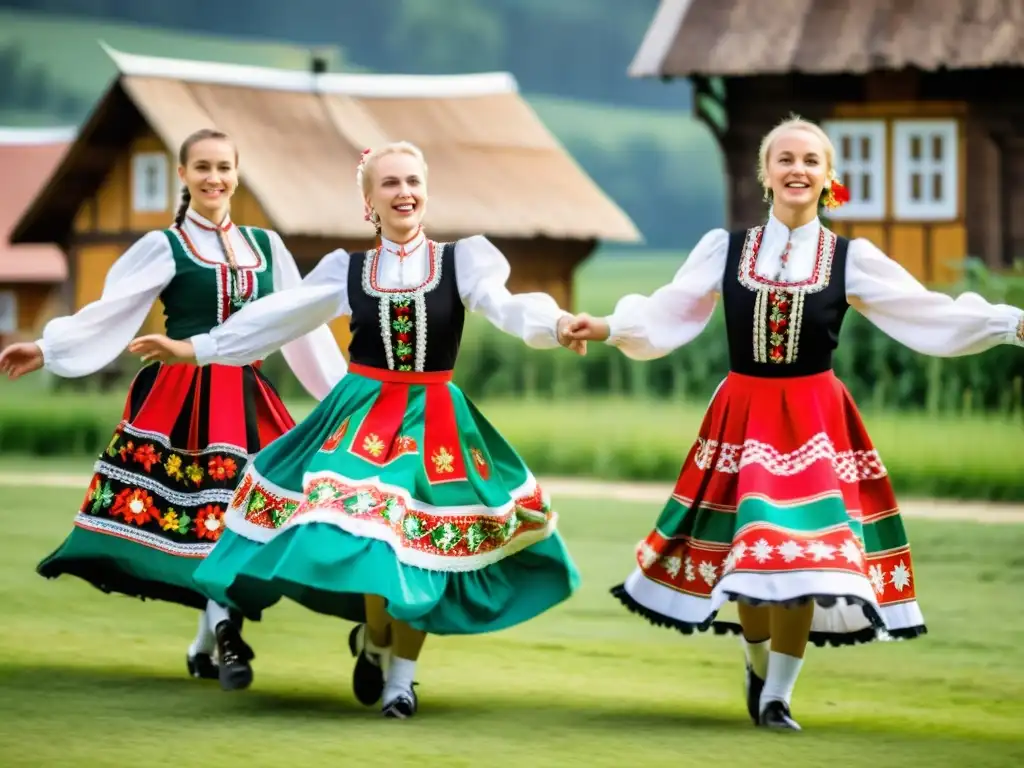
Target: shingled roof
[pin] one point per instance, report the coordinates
(761, 37)
(495, 168)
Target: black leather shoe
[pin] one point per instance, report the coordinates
(367, 674)
(233, 656)
(753, 685)
(201, 666)
(403, 707)
(776, 715)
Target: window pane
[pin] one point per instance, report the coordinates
(847, 182)
(936, 187)
(865, 148)
(845, 151)
(915, 187)
(915, 147)
(865, 187)
(937, 147)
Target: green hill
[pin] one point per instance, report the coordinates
(68, 48)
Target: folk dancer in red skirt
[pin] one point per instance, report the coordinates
(156, 503)
(783, 509)
(395, 503)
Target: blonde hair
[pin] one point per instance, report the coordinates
(364, 175)
(795, 122)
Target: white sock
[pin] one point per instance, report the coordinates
(783, 671)
(400, 675)
(215, 614)
(205, 640)
(757, 656)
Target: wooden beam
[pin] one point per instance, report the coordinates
(898, 109)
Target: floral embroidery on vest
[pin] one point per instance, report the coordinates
(403, 311)
(778, 305)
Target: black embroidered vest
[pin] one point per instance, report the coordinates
(783, 329)
(406, 329)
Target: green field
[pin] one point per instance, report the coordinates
(608, 275)
(94, 680)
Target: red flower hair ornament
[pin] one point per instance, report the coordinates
(835, 193)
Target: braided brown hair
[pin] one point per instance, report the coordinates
(183, 152)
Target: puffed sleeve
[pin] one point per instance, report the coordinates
(314, 358)
(269, 323)
(482, 273)
(648, 327)
(925, 321)
(93, 337)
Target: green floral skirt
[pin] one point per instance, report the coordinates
(399, 488)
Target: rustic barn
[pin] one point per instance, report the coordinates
(495, 169)
(30, 275)
(920, 99)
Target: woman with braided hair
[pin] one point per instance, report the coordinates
(395, 503)
(156, 503)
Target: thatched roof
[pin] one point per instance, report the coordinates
(761, 37)
(494, 167)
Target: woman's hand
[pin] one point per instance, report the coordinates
(562, 330)
(585, 328)
(159, 347)
(21, 358)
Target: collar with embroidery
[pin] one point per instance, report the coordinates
(203, 223)
(406, 249)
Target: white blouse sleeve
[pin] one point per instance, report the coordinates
(482, 273)
(925, 321)
(269, 323)
(315, 358)
(648, 327)
(93, 337)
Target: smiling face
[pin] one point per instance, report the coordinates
(397, 192)
(210, 171)
(798, 166)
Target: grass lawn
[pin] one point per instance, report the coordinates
(94, 680)
(607, 276)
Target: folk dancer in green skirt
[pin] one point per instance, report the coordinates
(395, 503)
(160, 490)
(783, 514)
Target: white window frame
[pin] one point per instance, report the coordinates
(143, 201)
(856, 130)
(928, 208)
(8, 311)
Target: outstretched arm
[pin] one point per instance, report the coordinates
(315, 357)
(265, 325)
(648, 327)
(85, 342)
(482, 273)
(926, 321)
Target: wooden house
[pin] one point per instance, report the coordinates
(920, 100)
(30, 275)
(495, 169)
